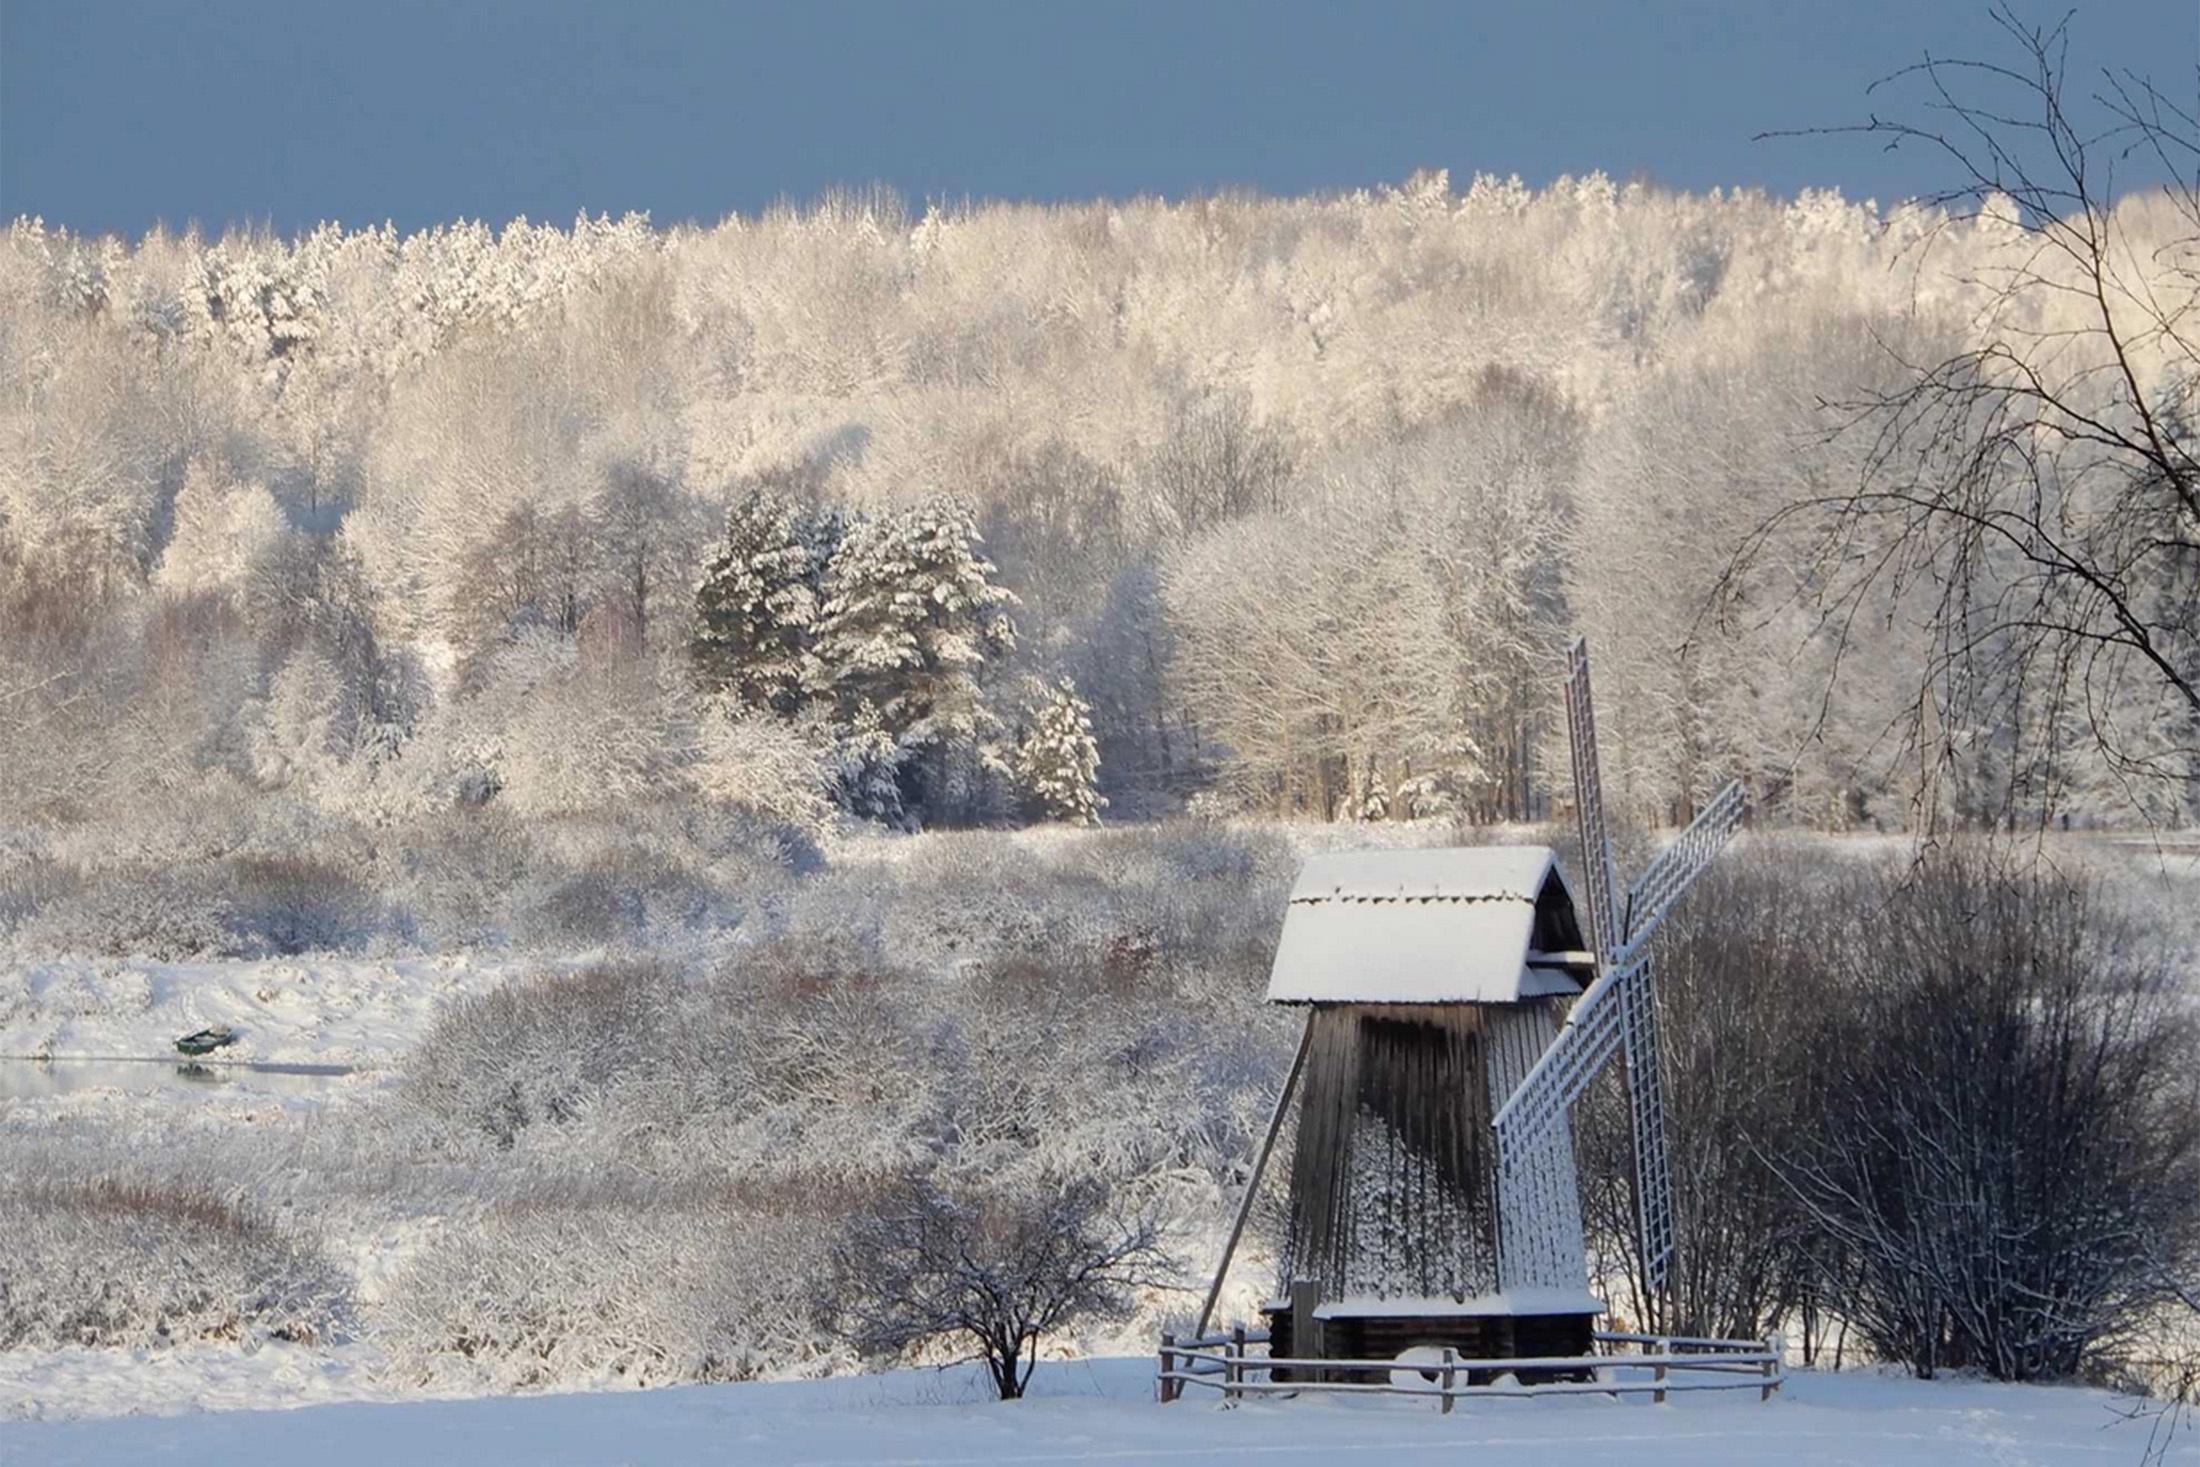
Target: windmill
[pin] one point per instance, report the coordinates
(1434, 1199)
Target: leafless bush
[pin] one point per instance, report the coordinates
(652, 1287)
(991, 1270)
(651, 875)
(1948, 1104)
(165, 912)
(1743, 969)
(451, 879)
(2004, 1137)
(29, 885)
(616, 896)
(299, 903)
(115, 1262)
(538, 1050)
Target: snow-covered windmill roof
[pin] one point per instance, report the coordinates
(1455, 925)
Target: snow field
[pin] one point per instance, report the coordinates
(1103, 1411)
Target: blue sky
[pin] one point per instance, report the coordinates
(115, 114)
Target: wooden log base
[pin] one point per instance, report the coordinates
(1474, 1337)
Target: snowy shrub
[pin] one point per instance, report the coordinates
(971, 895)
(643, 1287)
(301, 736)
(538, 1050)
(775, 767)
(28, 887)
(139, 1264)
(168, 913)
(822, 1051)
(575, 726)
(616, 896)
(452, 880)
(1204, 896)
(297, 904)
(1182, 851)
(745, 850)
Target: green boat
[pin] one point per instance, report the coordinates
(206, 1040)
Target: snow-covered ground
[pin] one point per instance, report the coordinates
(1103, 1411)
(318, 1010)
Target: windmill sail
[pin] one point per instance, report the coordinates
(1638, 1006)
(1596, 846)
(1618, 1013)
(1679, 864)
(1671, 874)
(1592, 1034)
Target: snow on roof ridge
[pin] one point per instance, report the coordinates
(1341, 895)
(1447, 873)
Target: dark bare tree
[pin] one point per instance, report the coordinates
(2005, 1144)
(992, 1269)
(646, 534)
(2035, 495)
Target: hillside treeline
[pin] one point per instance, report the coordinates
(1287, 505)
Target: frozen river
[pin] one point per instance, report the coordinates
(23, 1078)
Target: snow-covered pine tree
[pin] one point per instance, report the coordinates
(1058, 759)
(866, 770)
(758, 601)
(911, 615)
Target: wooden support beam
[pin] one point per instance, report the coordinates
(1252, 1182)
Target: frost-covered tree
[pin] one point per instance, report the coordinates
(866, 769)
(1057, 762)
(222, 533)
(1214, 464)
(302, 733)
(639, 521)
(595, 727)
(911, 617)
(2028, 490)
(777, 767)
(501, 428)
(1322, 652)
(1055, 522)
(536, 570)
(758, 602)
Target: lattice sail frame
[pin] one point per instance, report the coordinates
(1616, 1014)
(1599, 871)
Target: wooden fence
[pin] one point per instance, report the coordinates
(1625, 1364)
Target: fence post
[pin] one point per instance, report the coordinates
(1234, 1370)
(1168, 1367)
(1775, 1352)
(1665, 1348)
(1450, 1372)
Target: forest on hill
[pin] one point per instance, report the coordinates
(1282, 505)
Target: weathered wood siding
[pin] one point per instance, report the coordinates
(1392, 1181)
